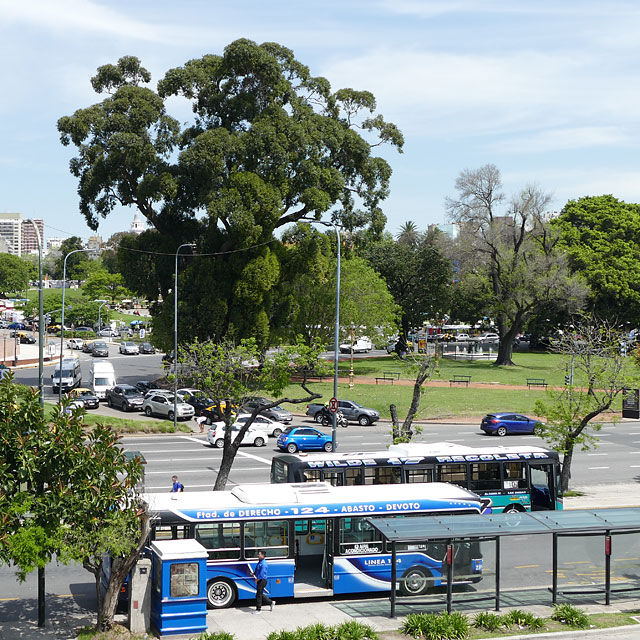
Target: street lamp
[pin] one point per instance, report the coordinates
(336, 347)
(41, 323)
(351, 328)
(175, 338)
(99, 316)
(64, 282)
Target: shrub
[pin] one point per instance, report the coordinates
(488, 621)
(569, 615)
(443, 626)
(352, 630)
(318, 631)
(216, 635)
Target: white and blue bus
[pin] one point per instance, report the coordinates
(515, 478)
(318, 538)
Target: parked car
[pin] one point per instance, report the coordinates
(255, 437)
(276, 413)
(20, 326)
(129, 348)
(125, 397)
(4, 324)
(75, 343)
(361, 345)
(463, 337)
(488, 336)
(87, 346)
(86, 396)
(503, 423)
(196, 398)
(353, 412)
(83, 329)
(272, 427)
(99, 349)
(161, 404)
(107, 332)
(147, 347)
(294, 439)
(144, 387)
(212, 414)
(25, 338)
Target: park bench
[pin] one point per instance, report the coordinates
(536, 382)
(460, 380)
(388, 376)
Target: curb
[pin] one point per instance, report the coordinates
(575, 634)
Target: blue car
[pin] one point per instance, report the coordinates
(503, 423)
(294, 439)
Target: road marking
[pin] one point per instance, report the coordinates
(578, 562)
(634, 466)
(597, 454)
(605, 435)
(526, 566)
(593, 468)
(200, 470)
(8, 599)
(452, 440)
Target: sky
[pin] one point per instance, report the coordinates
(548, 91)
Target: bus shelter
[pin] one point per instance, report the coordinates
(463, 529)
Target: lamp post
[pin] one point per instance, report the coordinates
(351, 330)
(336, 339)
(175, 338)
(64, 282)
(99, 316)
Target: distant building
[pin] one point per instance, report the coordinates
(30, 238)
(54, 243)
(138, 225)
(11, 232)
(94, 243)
(451, 229)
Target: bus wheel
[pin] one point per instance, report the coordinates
(513, 508)
(414, 582)
(220, 594)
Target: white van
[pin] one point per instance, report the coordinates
(361, 345)
(101, 377)
(71, 376)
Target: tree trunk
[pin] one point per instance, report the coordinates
(505, 347)
(565, 475)
(395, 426)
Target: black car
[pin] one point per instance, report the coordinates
(99, 349)
(147, 347)
(144, 386)
(125, 397)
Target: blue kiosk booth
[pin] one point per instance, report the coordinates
(178, 587)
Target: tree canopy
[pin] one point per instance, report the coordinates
(14, 274)
(77, 263)
(509, 253)
(269, 144)
(602, 238)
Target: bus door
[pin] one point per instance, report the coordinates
(327, 557)
(542, 478)
(311, 558)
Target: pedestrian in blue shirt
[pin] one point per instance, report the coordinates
(261, 574)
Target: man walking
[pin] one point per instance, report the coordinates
(261, 574)
(177, 486)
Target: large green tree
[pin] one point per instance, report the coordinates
(77, 263)
(601, 235)
(269, 144)
(14, 274)
(509, 253)
(417, 273)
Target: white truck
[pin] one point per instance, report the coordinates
(361, 345)
(69, 376)
(101, 377)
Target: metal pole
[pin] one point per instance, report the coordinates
(100, 316)
(336, 345)
(64, 282)
(351, 369)
(554, 567)
(497, 573)
(394, 578)
(607, 567)
(175, 338)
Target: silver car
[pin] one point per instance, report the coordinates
(161, 404)
(129, 348)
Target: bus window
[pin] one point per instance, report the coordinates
(170, 532)
(419, 475)
(357, 536)
(272, 536)
(452, 473)
(335, 478)
(222, 540)
(352, 477)
(485, 476)
(279, 471)
(383, 475)
(542, 484)
(310, 475)
(515, 475)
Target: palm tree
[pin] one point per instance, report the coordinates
(409, 233)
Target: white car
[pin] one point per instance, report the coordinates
(361, 345)
(262, 423)
(255, 437)
(463, 337)
(161, 404)
(488, 337)
(129, 348)
(75, 343)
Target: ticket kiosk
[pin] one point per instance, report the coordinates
(179, 587)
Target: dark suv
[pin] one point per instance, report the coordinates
(125, 397)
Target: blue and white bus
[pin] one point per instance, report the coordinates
(515, 478)
(318, 538)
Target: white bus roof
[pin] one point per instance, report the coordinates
(319, 499)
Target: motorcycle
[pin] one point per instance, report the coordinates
(341, 421)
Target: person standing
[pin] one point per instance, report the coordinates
(201, 420)
(261, 575)
(177, 487)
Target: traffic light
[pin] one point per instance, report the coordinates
(47, 318)
(567, 381)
